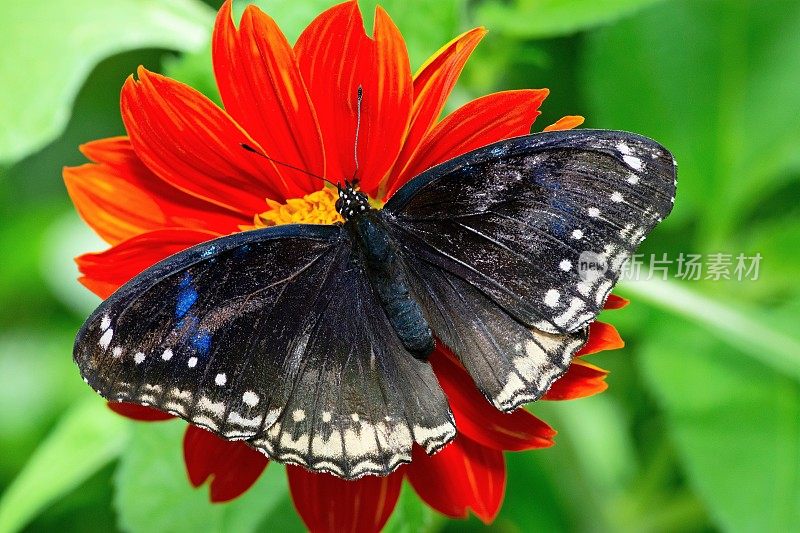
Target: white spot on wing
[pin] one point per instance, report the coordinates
(616, 197)
(551, 297)
(576, 305)
(105, 323)
(167, 355)
(593, 212)
(192, 362)
(239, 420)
(250, 398)
(210, 406)
(138, 358)
(432, 438)
(634, 162)
(117, 351)
(105, 339)
(577, 234)
(298, 415)
(633, 179)
(354, 416)
(565, 265)
(221, 379)
(326, 416)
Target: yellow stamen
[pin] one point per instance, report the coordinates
(316, 208)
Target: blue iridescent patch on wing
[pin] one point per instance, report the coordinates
(202, 342)
(186, 297)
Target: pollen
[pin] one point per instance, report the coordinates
(319, 207)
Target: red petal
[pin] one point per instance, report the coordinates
(615, 302)
(138, 412)
(330, 504)
(433, 83)
(565, 123)
(602, 337)
(479, 420)
(336, 57)
(478, 123)
(262, 89)
(581, 380)
(233, 466)
(188, 141)
(119, 197)
(104, 272)
(463, 475)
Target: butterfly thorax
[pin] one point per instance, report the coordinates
(351, 202)
(383, 265)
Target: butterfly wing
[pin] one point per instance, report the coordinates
(271, 336)
(515, 247)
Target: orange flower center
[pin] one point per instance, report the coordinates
(319, 207)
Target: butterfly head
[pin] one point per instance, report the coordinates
(351, 201)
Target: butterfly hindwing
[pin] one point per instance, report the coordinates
(510, 362)
(522, 219)
(274, 337)
(359, 398)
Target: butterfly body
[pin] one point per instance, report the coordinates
(384, 268)
(310, 342)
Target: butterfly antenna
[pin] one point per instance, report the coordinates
(359, 97)
(265, 156)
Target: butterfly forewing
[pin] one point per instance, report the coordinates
(541, 224)
(515, 247)
(272, 336)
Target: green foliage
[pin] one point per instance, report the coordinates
(153, 491)
(724, 105)
(86, 439)
(736, 424)
(539, 19)
(56, 44)
(699, 429)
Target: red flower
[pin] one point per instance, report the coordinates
(180, 177)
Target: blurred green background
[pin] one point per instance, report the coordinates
(700, 429)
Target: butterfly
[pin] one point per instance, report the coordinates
(310, 342)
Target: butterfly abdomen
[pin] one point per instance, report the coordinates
(388, 278)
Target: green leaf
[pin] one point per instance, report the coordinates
(736, 424)
(153, 492)
(537, 19)
(58, 42)
(87, 438)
